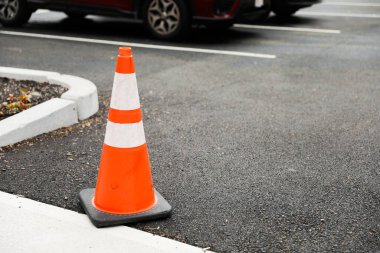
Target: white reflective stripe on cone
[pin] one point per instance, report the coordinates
(125, 95)
(124, 135)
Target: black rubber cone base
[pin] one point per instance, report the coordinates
(99, 218)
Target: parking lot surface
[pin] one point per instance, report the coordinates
(264, 138)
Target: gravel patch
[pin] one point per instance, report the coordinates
(41, 92)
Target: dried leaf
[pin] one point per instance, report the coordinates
(24, 90)
(35, 94)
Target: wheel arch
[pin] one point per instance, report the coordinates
(139, 5)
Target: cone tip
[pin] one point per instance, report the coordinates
(125, 51)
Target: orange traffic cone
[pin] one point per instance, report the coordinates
(124, 192)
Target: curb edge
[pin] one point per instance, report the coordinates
(82, 94)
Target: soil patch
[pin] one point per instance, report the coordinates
(17, 96)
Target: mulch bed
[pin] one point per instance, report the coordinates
(16, 96)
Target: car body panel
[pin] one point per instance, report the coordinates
(199, 9)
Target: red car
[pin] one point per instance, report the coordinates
(163, 18)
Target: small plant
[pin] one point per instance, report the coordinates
(15, 104)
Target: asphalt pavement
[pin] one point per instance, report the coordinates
(253, 154)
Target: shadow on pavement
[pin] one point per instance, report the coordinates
(124, 30)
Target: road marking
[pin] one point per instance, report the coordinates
(291, 29)
(41, 11)
(140, 45)
(334, 14)
(352, 4)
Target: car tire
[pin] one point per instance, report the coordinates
(166, 19)
(14, 13)
(75, 15)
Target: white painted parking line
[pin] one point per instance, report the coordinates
(352, 4)
(335, 14)
(41, 11)
(140, 45)
(290, 29)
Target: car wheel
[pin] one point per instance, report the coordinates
(75, 15)
(14, 12)
(166, 19)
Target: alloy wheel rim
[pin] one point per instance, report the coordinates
(8, 9)
(163, 16)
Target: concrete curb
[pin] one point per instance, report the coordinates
(78, 103)
(31, 226)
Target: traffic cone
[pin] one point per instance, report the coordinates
(124, 191)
